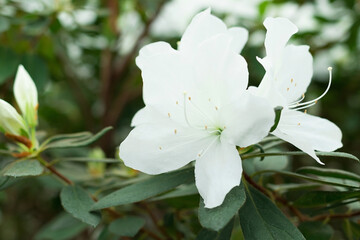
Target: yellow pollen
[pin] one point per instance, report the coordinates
(175, 131)
(216, 108)
(287, 89)
(189, 98)
(316, 102)
(169, 114)
(160, 148)
(298, 124)
(292, 80)
(205, 127)
(199, 155)
(177, 102)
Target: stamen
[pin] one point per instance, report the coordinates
(216, 108)
(177, 102)
(291, 80)
(313, 102)
(160, 148)
(169, 114)
(175, 131)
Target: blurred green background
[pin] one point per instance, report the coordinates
(81, 57)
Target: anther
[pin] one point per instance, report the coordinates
(305, 111)
(287, 89)
(177, 102)
(189, 98)
(295, 84)
(199, 155)
(205, 127)
(298, 124)
(224, 127)
(175, 131)
(160, 148)
(292, 80)
(209, 99)
(216, 108)
(169, 114)
(316, 101)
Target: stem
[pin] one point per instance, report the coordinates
(54, 171)
(155, 220)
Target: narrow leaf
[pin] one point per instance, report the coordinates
(320, 198)
(299, 153)
(127, 227)
(77, 202)
(23, 168)
(217, 218)
(73, 140)
(326, 172)
(146, 189)
(180, 192)
(261, 219)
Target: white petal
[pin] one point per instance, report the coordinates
(150, 50)
(203, 26)
(239, 38)
(219, 70)
(296, 72)
(217, 172)
(279, 31)
(10, 121)
(162, 146)
(247, 120)
(26, 95)
(308, 131)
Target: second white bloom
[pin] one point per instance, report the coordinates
(197, 108)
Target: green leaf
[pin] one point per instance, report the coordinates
(307, 178)
(217, 218)
(85, 159)
(127, 227)
(278, 110)
(77, 202)
(224, 234)
(38, 70)
(6, 182)
(63, 227)
(326, 172)
(320, 198)
(146, 189)
(299, 153)
(261, 219)
(316, 230)
(73, 140)
(182, 191)
(23, 168)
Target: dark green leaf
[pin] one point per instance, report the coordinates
(217, 218)
(299, 153)
(261, 219)
(146, 189)
(6, 182)
(326, 172)
(307, 178)
(127, 227)
(23, 168)
(77, 202)
(63, 227)
(277, 117)
(316, 230)
(224, 234)
(320, 198)
(180, 192)
(38, 70)
(73, 140)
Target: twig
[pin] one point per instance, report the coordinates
(331, 216)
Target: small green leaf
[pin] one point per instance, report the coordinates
(316, 230)
(320, 198)
(326, 172)
(127, 226)
(278, 110)
(73, 140)
(146, 189)
(23, 168)
(299, 153)
(307, 178)
(77, 202)
(217, 218)
(63, 227)
(261, 219)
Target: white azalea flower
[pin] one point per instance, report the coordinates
(26, 96)
(197, 108)
(288, 74)
(10, 121)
